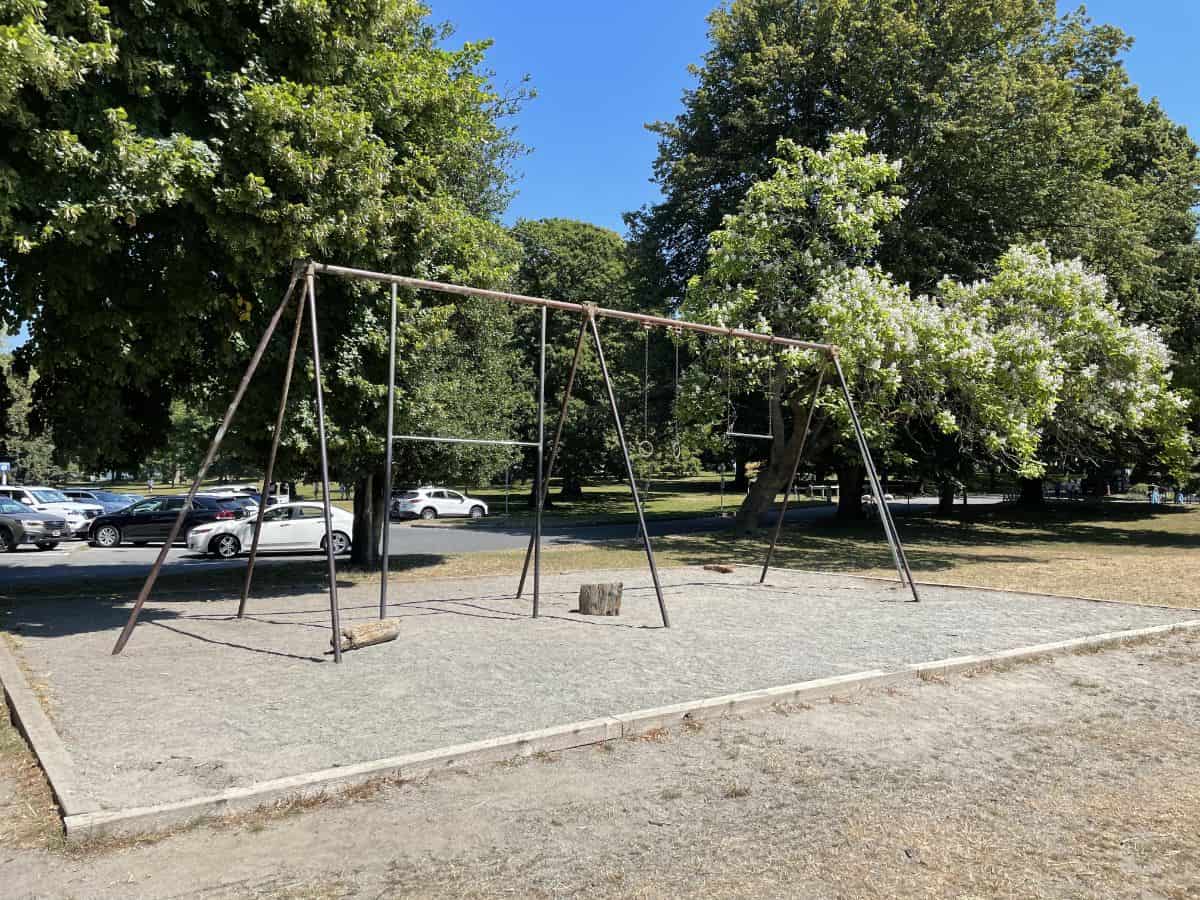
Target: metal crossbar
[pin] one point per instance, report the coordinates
(453, 440)
(525, 300)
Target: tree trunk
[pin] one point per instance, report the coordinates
(947, 491)
(851, 479)
(740, 480)
(1031, 492)
(572, 489)
(773, 477)
(370, 515)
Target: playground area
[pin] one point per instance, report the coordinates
(200, 702)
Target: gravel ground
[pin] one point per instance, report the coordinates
(1069, 778)
(199, 703)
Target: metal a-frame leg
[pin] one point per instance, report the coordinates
(264, 498)
(387, 477)
(177, 525)
(885, 514)
(554, 447)
(542, 483)
(637, 501)
(334, 612)
(787, 490)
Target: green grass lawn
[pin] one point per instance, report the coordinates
(608, 502)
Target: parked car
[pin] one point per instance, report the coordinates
(433, 502)
(286, 526)
(79, 516)
(21, 525)
(110, 501)
(246, 501)
(278, 494)
(151, 519)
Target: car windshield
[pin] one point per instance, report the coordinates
(410, 495)
(110, 497)
(12, 506)
(48, 496)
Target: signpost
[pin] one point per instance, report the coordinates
(5, 466)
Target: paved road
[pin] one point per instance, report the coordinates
(78, 560)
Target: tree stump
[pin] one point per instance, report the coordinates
(600, 599)
(368, 633)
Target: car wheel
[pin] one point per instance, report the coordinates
(225, 546)
(429, 513)
(476, 512)
(341, 543)
(47, 545)
(107, 536)
(7, 544)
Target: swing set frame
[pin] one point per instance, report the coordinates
(306, 272)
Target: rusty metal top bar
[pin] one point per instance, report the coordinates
(523, 299)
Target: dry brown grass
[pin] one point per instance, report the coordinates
(28, 814)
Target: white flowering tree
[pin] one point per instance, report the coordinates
(997, 371)
(1102, 387)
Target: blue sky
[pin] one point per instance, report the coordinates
(603, 70)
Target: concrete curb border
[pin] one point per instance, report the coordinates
(31, 720)
(83, 820)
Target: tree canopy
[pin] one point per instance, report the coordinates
(578, 262)
(162, 165)
(1013, 124)
(1035, 361)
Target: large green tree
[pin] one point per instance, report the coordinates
(1013, 124)
(578, 262)
(1033, 362)
(162, 165)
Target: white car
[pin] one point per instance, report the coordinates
(433, 502)
(286, 526)
(51, 500)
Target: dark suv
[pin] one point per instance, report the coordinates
(151, 519)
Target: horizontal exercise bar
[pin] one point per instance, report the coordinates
(453, 440)
(463, 290)
(757, 437)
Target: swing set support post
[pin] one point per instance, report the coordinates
(387, 465)
(265, 497)
(542, 484)
(885, 513)
(562, 418)
(213, 447)
(637, 501)
(787, 489)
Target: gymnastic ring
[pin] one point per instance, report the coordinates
(676, 450)
(644, 448)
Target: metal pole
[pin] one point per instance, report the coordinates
(637, 503)
(885, 514)
(787, 490)
(438, 439)
(270, 473)
(542, 480)
(203, 470)
(562, 418)
(334, 615)
(387, 477)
